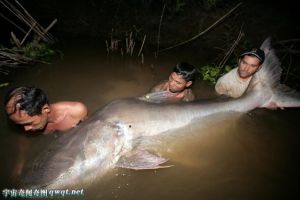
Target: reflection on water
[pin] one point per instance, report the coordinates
(252, 156)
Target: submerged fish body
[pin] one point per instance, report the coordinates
(105, 140)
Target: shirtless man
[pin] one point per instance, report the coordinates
(30, 108)
(178, 86)
(235, 83)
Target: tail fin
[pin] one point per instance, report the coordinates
(270, 71)
(268, 77)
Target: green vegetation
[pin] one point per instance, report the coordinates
(211, 73)
(28, 54)
(29, 47)
(38, 51)
(3, 84)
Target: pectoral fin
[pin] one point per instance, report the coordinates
(141, 159)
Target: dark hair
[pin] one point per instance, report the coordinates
(187, 71)
(30, 99)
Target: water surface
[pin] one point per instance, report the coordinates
(249, 156)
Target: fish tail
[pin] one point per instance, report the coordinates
(267, 81)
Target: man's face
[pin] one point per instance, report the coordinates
(248, 65)
(29, 123)
(177, 83)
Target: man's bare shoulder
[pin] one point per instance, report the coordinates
(74, 108)
(67, 104)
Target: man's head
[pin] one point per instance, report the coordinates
(28, 107)
(182, 77)
(250, 62)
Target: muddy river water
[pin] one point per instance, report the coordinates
(248, 156)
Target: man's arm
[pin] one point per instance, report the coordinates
(220, 86)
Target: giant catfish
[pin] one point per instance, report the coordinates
(106, 139)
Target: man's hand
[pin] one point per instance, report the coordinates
(273, 106)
